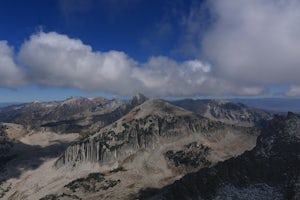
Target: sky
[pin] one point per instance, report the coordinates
(53, 49)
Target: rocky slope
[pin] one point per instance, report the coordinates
(226, 111)
(23, 157)
(153, 145)
(270, 171)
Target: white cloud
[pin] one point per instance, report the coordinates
(10, 74)
(164, 76)
(255, 42)
(293, 91)
(57, 60)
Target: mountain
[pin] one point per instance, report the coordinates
(151, 124)
(151, 146)
(36, 113)
(269, 171)
(225, 111)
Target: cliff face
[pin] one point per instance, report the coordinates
(148, 126)
(269, 171)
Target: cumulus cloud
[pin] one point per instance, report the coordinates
(54, 59)
(57, 60)
(10, 74)
(255, 42)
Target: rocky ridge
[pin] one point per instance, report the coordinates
(75, 114)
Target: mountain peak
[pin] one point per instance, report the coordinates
(155, 107)
(138, 99)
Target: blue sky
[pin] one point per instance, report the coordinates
(105, 25)
(53, 49)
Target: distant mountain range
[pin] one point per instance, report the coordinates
(5, 104)
(274, 105)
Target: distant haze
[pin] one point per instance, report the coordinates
(273, 104)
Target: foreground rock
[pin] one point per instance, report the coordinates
(270, 171)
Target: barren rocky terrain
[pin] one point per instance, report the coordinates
(149, 144)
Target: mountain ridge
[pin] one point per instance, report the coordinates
(157, 142)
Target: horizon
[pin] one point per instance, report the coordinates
(126, 98)
(51, 50)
